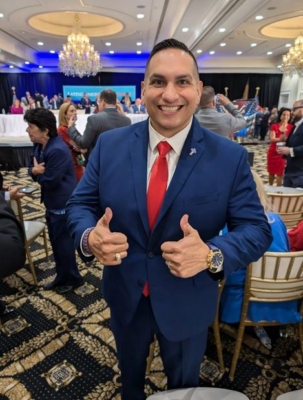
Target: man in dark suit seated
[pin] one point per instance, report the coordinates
(107, 118)
(293, 150)
(12, 244)
(138, 108)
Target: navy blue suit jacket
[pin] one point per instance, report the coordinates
(294, 165)
(136, 109)
(212, 184)
(59, 180)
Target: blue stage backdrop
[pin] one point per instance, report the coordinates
(76, 92)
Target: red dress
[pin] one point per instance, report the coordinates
(275, 162)
(79, 169)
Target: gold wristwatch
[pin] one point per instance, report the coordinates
(215, 259)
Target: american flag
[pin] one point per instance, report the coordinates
(250, 110)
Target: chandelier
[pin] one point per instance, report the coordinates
(78, 57)
(293, 61)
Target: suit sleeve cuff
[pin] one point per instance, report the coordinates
(85, 250)
(292, 153)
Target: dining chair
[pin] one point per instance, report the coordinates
(205, 393)
(275, 277)
(288, 206)
(32, 230)
(216, 329)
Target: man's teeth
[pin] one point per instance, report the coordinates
(170, 109)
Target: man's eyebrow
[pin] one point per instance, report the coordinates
(183, 76)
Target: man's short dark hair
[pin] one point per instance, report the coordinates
(43, 119)
(109, 96)
(207, 96)
(171, 44)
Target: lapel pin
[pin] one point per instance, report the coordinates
(192, 151)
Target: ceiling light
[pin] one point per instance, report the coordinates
(111, 52)
(269, 53)
(185, 29)
(78, 57)
(139, 52)
(108, 44)
(259, 17)
(26, 62)
(52, 51)
(140, 16)
(212, 52)
(40, 43)
(239, 52)
(293, 61)
(222, 44)
(279, 66)
(1, 15)
(253, 44)
(40, 66)
(222, 30)
(11, 66)
(288, 45)
(139, 43)
(199, 51)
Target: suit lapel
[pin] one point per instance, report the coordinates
(138, 155)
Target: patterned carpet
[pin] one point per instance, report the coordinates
(61, 347)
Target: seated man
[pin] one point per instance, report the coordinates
(12, 243)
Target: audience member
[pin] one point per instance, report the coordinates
(12, 244)
(138, 108)
(293, 150)
(264, 123)
(126, 100)
(259, 116)
(32, 104)
(108, 118)
(67, 111)
(45, 101)
(55, 102)
(115, 214)
(25, 99)
(52, 167)
(295, 237)
(233, 292)
(86, 103)
(278, 134)
(38, 99)
(16, 107)
(222, 123)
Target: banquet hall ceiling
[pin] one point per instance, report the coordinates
(27, 22)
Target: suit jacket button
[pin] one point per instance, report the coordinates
(150, 254)
(140, 284)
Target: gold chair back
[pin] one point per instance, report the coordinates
(288, 206)
(275, 277)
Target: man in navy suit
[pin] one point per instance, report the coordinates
(293, 149)
(182, 257)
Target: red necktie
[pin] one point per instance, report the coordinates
(157, 189)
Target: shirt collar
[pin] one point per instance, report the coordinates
(298, 123)
(176, 141)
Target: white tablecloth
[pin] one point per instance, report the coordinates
(199, 394)
(282, 189)
(13, 125)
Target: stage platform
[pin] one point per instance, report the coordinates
(15, 152)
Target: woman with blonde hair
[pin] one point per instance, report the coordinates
(68, 110)
(233, 292)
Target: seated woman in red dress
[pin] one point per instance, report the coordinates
(278, 134)
(67, 110)
(16, 107)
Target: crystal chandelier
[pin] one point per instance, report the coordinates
(78, 57)
(293, 61)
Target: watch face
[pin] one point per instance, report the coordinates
(217, 259)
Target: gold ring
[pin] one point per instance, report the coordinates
(118, 256)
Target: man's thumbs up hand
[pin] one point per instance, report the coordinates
(187, 257)
(109, 247)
